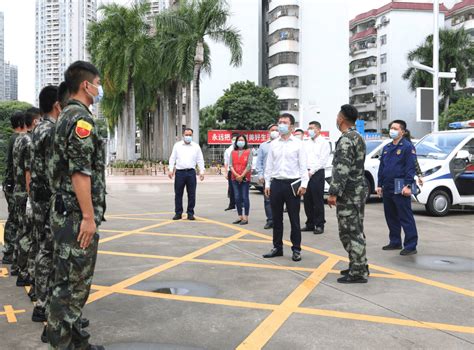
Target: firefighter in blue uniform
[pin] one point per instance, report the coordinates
(398, 162)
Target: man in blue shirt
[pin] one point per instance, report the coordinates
(397, 165)
(261, 160)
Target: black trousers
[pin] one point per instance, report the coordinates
(314, 201)
(185, 178)
(281, 194)
(230, 190)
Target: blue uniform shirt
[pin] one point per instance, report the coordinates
(262, 158)
(397, 161)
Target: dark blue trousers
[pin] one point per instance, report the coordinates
(230, 190)
(314, 201)
(185, 178)
(241, 194)
(398, 214)
(281, 193)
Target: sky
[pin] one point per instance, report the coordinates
(20, 43)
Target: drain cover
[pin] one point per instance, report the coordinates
(442, 263)
(177, 288)
(148, 346)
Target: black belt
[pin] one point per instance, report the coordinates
(289, 181)
(185, 169)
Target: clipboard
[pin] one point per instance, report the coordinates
(295, 187)
(399, 184)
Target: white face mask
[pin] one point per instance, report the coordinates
(274, 134)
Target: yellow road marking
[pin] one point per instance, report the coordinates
(137, 219)
(182, 235)
(3, 272)
(128, 233)
(150, 256)
(2, 234)
(262, 334)
(140, 214)
(146, 274)
(9, 313)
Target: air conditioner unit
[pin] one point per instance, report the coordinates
(377, 104)
(370, 45)
(385, 20)
(384, 102)
(373, 82)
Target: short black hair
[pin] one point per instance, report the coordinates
(300, 130)
(47, 98)
(245, 139)
(17, 119)
(77, 72)
(349, 113)
(402, 123)
(316, 124)
(188, 129)
(30, 115)
(63, 94)
(289, 116)
(271, 126)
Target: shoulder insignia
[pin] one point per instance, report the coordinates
(83, 129)
(399, 151)
(413, 151)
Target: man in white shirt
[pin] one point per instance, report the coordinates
(228, 174)
(183, 160)
(318, 151)
(286, 165)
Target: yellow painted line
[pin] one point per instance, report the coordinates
(262, 334)
(10, 313)
(133, 255)
(386, 320)
(128, 233)
(2, 234)
(266, 241)
(136, 219)
(112, 231)
(140, 214)
(181, 235)
(3, 272)
(146, 274)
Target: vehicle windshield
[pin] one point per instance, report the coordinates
(371, 145)
(439, 146)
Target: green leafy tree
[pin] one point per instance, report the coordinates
(456, 51)
(208, 121)
(246, 106)
(462, 110)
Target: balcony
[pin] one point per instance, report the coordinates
(363, 34)
(283, 46)
(275, 3)
(283, 22)
(282, 70)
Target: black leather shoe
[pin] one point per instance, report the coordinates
(318, 230)
(32, 294)
(352, 279)
(229, 208)
(296, 256)
(273, 253)
(237, 222)
(7, 260)
(39, 314)
(44, 335)
(268, 226)
(13, 272)
(244, 222)
(392, 247)
(22, 282)
(84, 323)
(191, 217)
(408, 252)
(346, 272)
(177, 217)
(95, 347)
(307, 229)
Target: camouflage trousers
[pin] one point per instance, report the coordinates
(44, 256)
(74, 269)
(11, 225)
(350, 218)
(23, 241)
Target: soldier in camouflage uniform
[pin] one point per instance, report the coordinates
(21, 167)
(348, 192)
(77, 207)
(17, 121)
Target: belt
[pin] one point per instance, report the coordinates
(289, 181)
(189, 169)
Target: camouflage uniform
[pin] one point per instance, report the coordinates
(21, 164)
(41, 195)
(348, 184)
(8, 185)
(77, 147)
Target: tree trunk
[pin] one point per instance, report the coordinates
(132, 126)
(172, 116)
(158, 130)
(179, 119)
(446, 103)
(195, 102)
(188, 105)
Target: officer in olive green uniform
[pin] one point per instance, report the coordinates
(348, 192)
(77, 171)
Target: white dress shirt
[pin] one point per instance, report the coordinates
(227, 153)
(186, 156)
(286, 160)
(318, 151)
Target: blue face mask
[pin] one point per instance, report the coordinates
(311, 133)
(188, 139)
(393, 134)
(283, 129)
(240, 144)
(100, 94)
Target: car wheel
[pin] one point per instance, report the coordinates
(370, 190)
(438, 203)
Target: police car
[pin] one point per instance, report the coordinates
(446, 159)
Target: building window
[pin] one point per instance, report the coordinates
(383, 58)
(383, 39)
(383, 77)
(289, 105)
(285, 81)
(280, 11)
(282, 58)
(384, 114)
(283, 34)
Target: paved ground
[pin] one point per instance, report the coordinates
(204, 285)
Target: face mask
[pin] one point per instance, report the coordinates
(188, 139)
(393, 134)
(100, 94)
(283, 129)
(240, 144)
(311, 133)
(274, 134)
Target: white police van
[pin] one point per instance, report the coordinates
(446, 159)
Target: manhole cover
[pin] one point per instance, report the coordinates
(148, 346)
(177, 288)
(441, 263)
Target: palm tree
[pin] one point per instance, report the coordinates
(183, 33)
(456, 51)
(117, 45)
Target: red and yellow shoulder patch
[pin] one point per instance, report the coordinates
(83, 129)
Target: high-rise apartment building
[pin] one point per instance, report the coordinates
(2, 57)
(379, 42)
(61, 33)
(11, 82)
